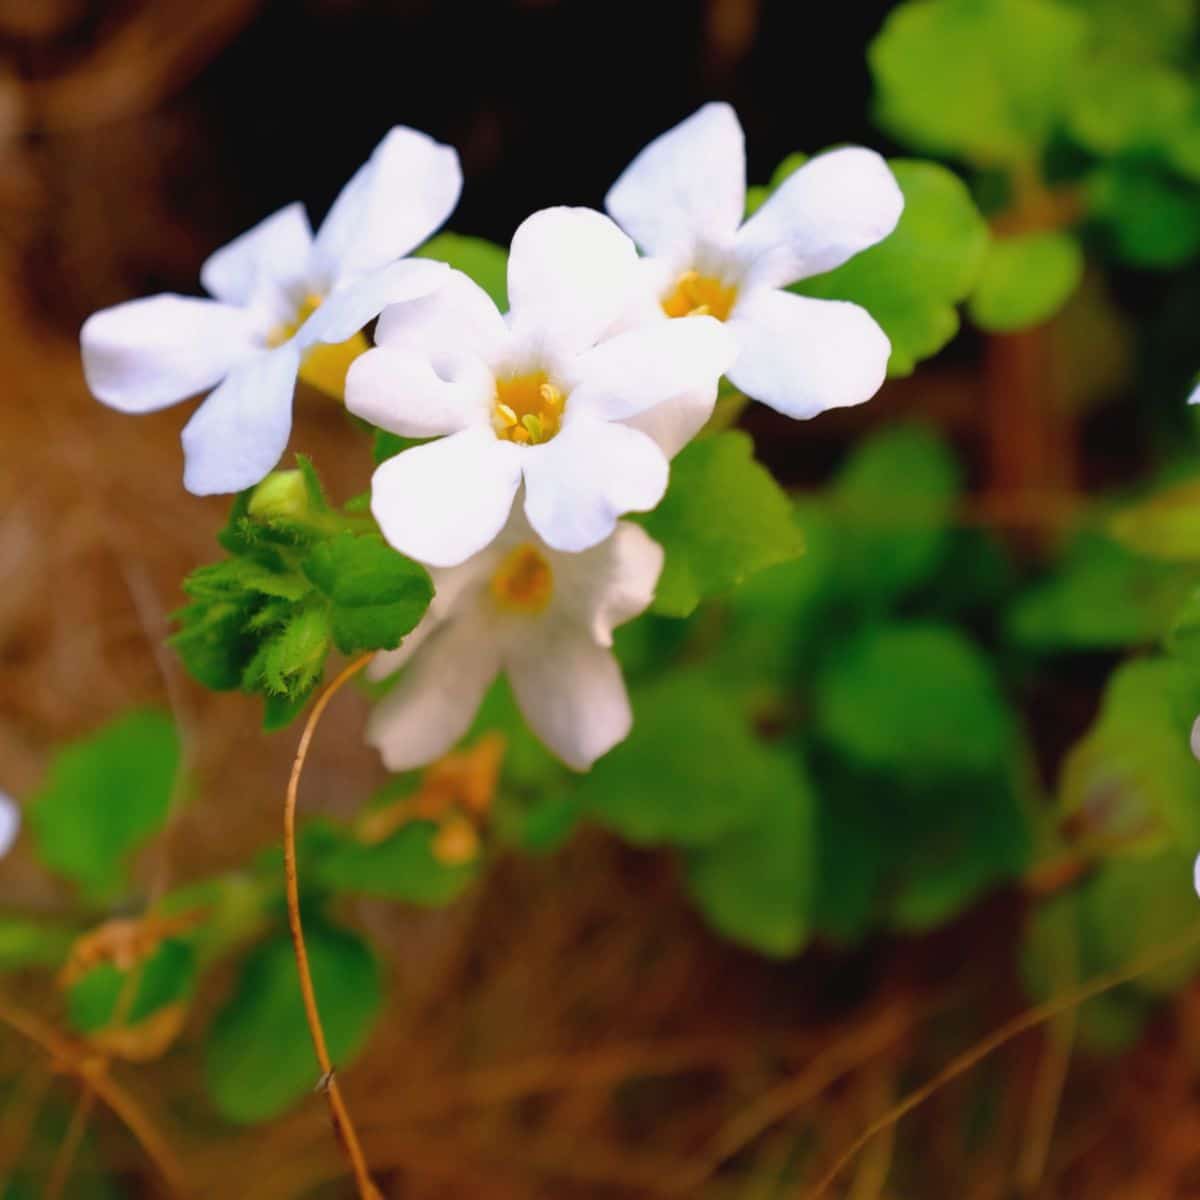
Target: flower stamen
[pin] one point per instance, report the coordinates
(696, 295)
(523, 582)
(528, 409)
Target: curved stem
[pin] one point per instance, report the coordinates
(1030, 1019)
(343, 1126)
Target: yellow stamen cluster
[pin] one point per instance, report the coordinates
(524, 581)
(528, 409)
(287, 330)
(696, 295)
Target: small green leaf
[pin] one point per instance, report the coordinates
(755, 885)
(402, 867)
(1123, 105)
(166, 977)
(722, 519)
(290, 661)
(103, 797)
(1165, 525)
(893, 501)
(918, 701)
(1151, 219)
(485, 262)
(690, 770)
(1026, 280)
(26, 942)
(378, 595)
(981, 79)
(911, 282)
(259, 1059)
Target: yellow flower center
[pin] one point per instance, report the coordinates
(528, 409)
(524, 581)
(323, 366)
(697, 295)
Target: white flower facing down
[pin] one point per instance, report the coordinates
(683, 198)
(544, 618)
(544, 396)
(10, 823)
(278, 293)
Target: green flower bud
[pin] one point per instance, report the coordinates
(282, 496)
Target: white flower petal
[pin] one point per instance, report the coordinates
(436, 699)
(831, 209)
(399, 391)
(146, 354)
(1194, 398)
(458, 319)
(571, 277)
(347, 310)
(277, 248)
(1195, 739)
(609, 584)
(571, 693)
(578, 484)
(675, 422)
(687, 185)
(634, 371)
(10, 823)
(802, 356)
(444, 501)
(240, 432)
(401, 195)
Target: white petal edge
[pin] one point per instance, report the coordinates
(458, 319)
(147, 354)
(610, 584)
(571, 693)
(674, 423)
(436, 699)
(10, 823)
(634, 371)
(445, 501)
(832, 208)
(401, 195)
(802, 356)
(686, 186)
(351, 307)
(277, 248)
(240, 432)
(578, 484)
(571, 277)
(399, 391)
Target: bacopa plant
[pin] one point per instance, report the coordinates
(576, 598)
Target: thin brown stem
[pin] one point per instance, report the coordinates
(1027, 1020)
(343, 1126)
(69, 1146)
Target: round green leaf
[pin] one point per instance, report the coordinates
(1026, 280)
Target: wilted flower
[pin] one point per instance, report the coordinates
(279, 294)
(544, 618)
(682, 199)
(540, 397)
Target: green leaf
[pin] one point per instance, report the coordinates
(402, 867)
(290, 661)
(1026, 280)
(26, 942)
(1148, 29)
(755, 885)
(258, 1057)
(911, 282)
(378, 595)
(103, 797)
(485, 262)
(689, 772)
(893, 501)
(981, 79)
(166, 977)
(1165, 525)
(1061, 612)
(1121, 105)
(722, 519)
(1131, 785)
(918, 701)
(1151, 219)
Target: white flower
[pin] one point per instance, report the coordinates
(544, 618)
(682, 200)
(279, 292)
(10, 823)
(542, 396)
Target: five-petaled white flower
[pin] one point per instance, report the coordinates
(280, 294)
(682, 199)
(544, 618)
(543, 396)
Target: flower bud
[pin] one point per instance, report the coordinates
(282, 496)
